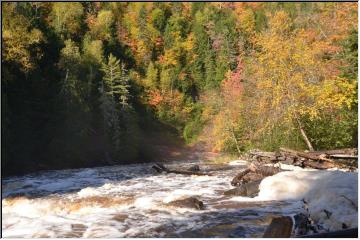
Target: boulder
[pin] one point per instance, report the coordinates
(250, 189)
(194, 168)
(238, 179)
(252, 177)
(190, 202)
(280, 227)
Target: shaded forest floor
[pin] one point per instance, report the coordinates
(169, 148)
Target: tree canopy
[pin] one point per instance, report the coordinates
(86, 83)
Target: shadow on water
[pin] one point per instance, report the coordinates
(44, 183)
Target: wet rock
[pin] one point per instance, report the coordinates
(120, 217)
(280, 227)
(246, 190)
(238, 232)
(267, 170)
(252, 177)
(237, 180)
(190, 202)
(194, 168)
(77, 230)
(302, 224)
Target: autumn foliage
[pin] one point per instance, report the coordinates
(235, 75)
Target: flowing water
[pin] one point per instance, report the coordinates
(132, 201)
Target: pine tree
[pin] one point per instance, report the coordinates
(116, 80)
(114, 94)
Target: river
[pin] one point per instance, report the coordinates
(132, 201)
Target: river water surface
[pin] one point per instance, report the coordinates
(131, 201)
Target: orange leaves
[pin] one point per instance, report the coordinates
(159, 42)
(90, 19)
(155, 97)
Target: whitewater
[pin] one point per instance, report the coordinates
(132, 201)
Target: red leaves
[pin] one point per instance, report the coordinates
(232, 86)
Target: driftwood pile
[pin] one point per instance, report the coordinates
(342, 158)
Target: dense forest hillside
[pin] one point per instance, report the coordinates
(92, 83)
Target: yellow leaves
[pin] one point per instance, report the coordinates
(292, 76)
(246, 19)
(219, 130)
(188, 45)
(18, 37)
(169, 58)
(280, 23)
(336, 93)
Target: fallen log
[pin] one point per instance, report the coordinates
(320, 157)
(317, 165)
(184, 172)
(348, 151)
(262, 154)
(161, 168)
(343, 156)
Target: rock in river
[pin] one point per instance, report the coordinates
(250, 189)
(190, 202)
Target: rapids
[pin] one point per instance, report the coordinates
(131, 201)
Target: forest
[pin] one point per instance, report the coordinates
(92, 83)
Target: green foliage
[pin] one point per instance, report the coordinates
(152, 78)
(103, 26)
(194, 126)
(350, 55)
(115, 80)
(66, 18)
(159, 19)
(93, 51)
(238, 75)
(334, 130)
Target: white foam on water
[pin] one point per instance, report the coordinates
(101, 232)
(140, 197)
(327, 190)
(145, 203)
(88, 192)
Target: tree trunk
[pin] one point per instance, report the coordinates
(303, 134)
(235, 139)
